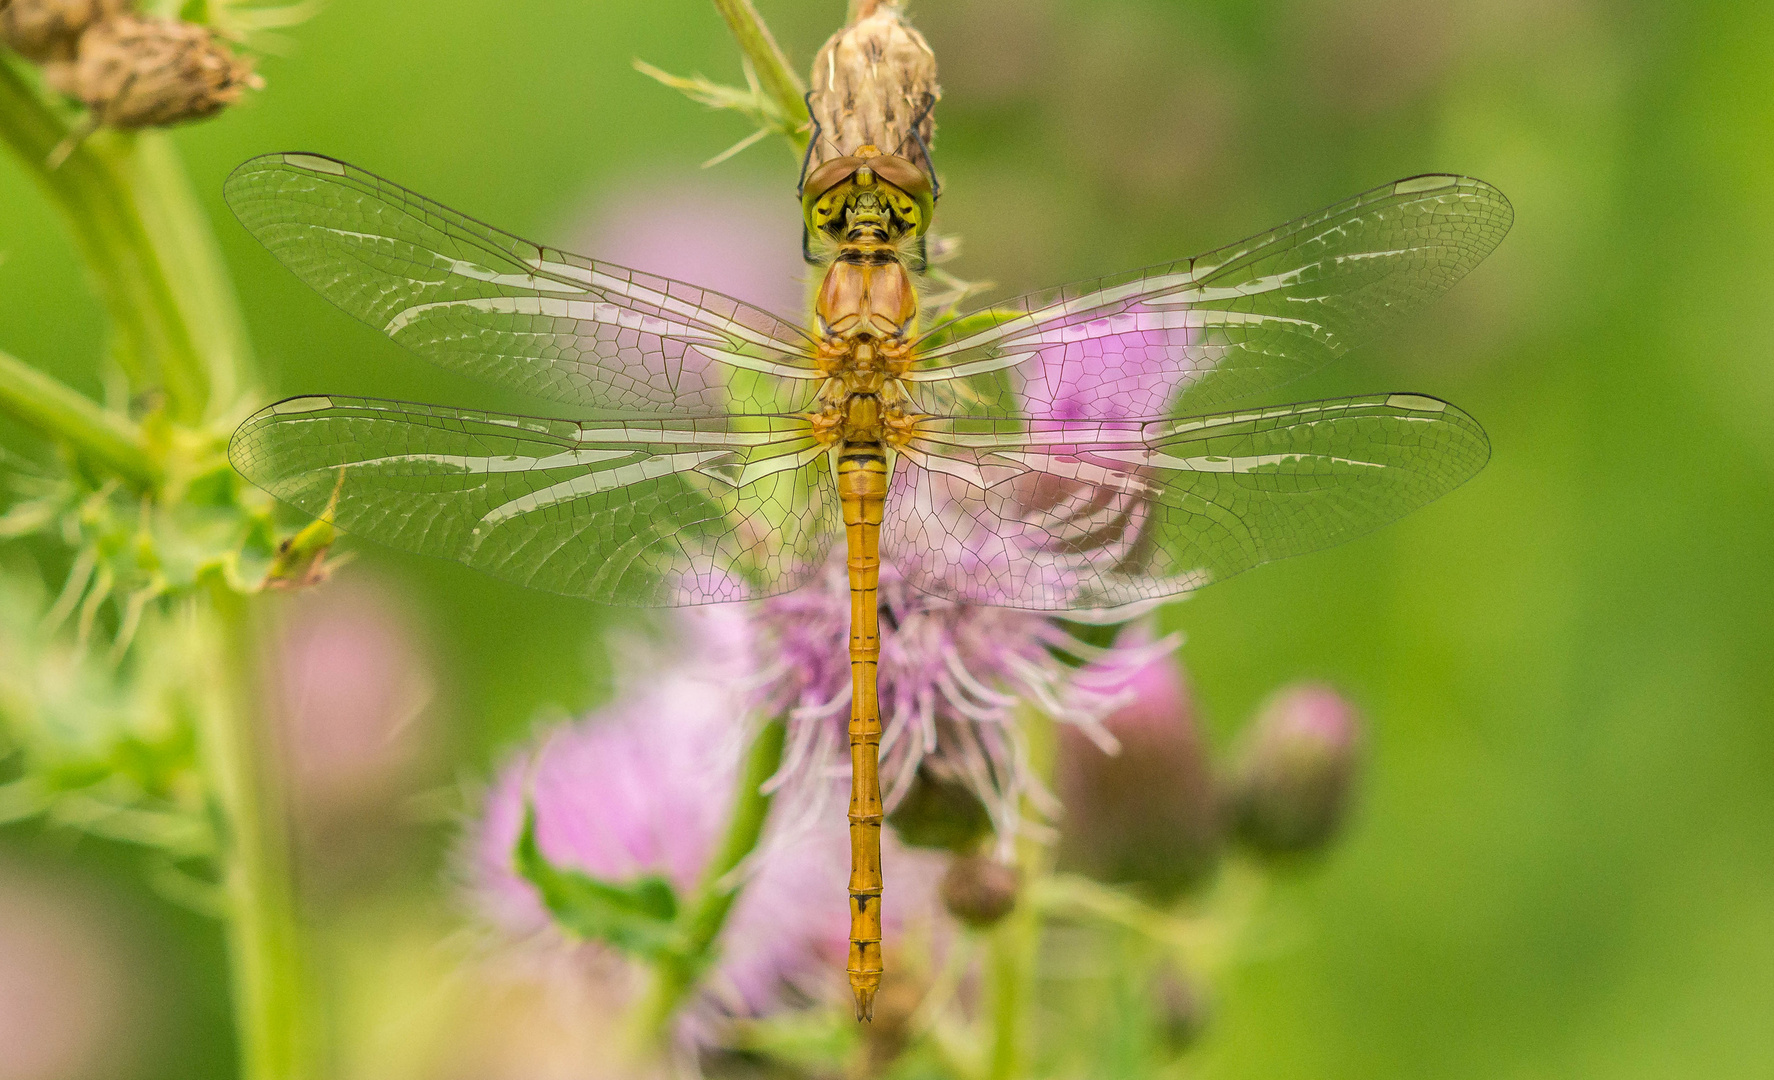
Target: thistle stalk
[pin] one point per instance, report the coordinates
(1012, 944)
(258, 895)
(94, 188)
(675, 974)
(176, 328)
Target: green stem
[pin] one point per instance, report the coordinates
(774, 74)
(1013, 943)
(1010, 956)
(180, 229)
(94, 191)
(70, 417)
(239, 755)
(676, 973)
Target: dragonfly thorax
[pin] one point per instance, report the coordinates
(867, 294)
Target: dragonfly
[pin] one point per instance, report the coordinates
(1084, 450)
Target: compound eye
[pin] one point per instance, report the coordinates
(829, 176)
(903, 174)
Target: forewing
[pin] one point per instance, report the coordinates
(1200, 335)
(652, 512)
(1094, 515)
(534, 319)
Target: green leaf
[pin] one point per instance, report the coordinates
(638, 917)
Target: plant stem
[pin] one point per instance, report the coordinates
(774, 74)
(180, 229)
(94, 191)
(1010, 956)
(239, 753)
(1013, 943)
(675, 974)
(68, 416)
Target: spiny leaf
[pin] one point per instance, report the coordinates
(638, 916)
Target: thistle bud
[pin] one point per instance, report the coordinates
(139, 72)
(1146, 815)
(940, 810)
(1180, 1006)
(49, 30)
(979, 890)
(1292, 782)
(872, 81)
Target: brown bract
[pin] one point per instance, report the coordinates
(871, 82)
(139, 72)
(49, 30)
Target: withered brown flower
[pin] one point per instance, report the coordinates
(140, 72)
(49, 30)
(872, 82)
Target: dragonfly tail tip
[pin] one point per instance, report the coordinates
(865, 1003)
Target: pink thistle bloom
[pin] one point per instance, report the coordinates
(1057, 538)
(644, 787)
(951, 679)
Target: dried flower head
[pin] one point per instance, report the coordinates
(979, 890)
(141, 72)
(872, 81)
(49, 30)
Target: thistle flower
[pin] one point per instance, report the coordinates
(67, 990)
(644, 787)
(142, 72)
(350, 688)
(951, 679)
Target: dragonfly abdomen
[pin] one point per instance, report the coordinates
(862, 489)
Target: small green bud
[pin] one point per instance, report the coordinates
(1294, 775)
(940, 811)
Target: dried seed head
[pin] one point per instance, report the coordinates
(139, 72)
(46, 30)
(872, 82)
(979, 890)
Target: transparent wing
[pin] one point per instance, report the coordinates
(1199, 335)
(535, 319)
(653, 512)
(1098, 514)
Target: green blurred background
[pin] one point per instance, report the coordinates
(1563, 861)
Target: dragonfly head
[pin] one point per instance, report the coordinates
(868, 191)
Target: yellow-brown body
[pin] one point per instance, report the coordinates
(865, 313)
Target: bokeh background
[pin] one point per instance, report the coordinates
(1563, 861)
